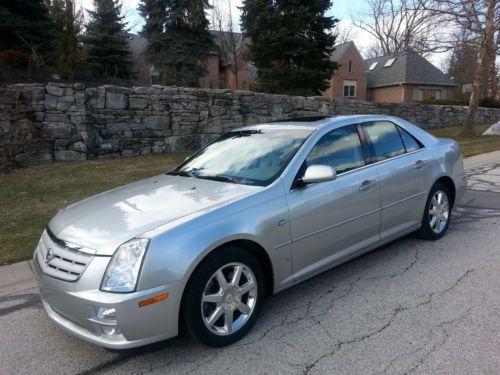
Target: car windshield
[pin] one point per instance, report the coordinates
(250, 157)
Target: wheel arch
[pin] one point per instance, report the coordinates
(252, 247)
(450, 184)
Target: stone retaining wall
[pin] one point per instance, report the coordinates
(73, 122)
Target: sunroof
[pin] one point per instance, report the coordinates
(389, 62)
(373, 65)
(301, 119)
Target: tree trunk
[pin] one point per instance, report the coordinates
(479, 77)
(236, 65)
(468, 129)
(490, 55)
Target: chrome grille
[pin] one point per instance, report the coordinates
(60, 259)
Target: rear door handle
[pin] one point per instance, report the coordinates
(367, 185)
(419, 164)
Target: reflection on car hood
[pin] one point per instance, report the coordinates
(107, 220)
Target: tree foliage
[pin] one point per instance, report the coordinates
(179, 40)
(291, 43)
(68, 24)
(25, 25)
(105, 39)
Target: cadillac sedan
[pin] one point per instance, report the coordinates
(262, 208)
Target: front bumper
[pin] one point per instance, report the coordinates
(74, 307)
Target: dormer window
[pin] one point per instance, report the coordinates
(389, 62)
(373, 65)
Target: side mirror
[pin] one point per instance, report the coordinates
(319, 173)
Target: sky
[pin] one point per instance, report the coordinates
(342, 9)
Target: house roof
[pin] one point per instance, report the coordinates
(409, 68)
(340, 49)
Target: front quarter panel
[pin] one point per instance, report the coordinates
(174, 252)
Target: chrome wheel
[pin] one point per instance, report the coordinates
(229, 299)
(439, 211)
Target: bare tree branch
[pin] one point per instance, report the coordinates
(230, 42)
(401, 25)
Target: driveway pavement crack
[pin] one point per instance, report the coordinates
(391, 317)
(445, 339)
(340, 344)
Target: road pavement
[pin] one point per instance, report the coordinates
(411, 307)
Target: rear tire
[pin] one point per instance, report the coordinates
(437, 213)
(223, 297)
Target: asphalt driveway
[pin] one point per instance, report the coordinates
(411, 307)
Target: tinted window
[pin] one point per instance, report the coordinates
(410, 143)
(385, 140)
(340, 149)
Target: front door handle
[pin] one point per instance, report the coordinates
(419, 164)
(367, 185)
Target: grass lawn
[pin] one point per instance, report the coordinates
(471, 146)
(30, 197)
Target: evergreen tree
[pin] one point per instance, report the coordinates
(291, 43)
(25, 25)
(68, 26)
(106, 41)
(179, 40)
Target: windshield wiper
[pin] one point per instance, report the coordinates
(181, 173)
(220, 178)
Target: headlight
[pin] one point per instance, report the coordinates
(123, 270)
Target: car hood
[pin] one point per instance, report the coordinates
(105, 221)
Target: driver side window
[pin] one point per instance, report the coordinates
(340, 149)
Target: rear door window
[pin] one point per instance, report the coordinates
(385, 140)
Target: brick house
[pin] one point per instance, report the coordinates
(406, 78)
(220, 73)
(350, 80)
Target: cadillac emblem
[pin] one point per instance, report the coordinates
(49, 255)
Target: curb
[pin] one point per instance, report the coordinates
(17, 276)
(20, 276)
(487, 158)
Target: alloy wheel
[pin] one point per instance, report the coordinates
(439, 211)
(229, 299)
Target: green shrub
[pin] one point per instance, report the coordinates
(485, 102)
(444, 102)
(489, 103)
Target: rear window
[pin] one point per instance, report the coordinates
(411, 144)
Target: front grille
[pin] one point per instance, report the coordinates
(60, 259)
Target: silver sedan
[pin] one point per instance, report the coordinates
(258, 210)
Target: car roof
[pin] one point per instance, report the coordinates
(318, 122)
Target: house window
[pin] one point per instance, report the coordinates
(373, 65)
(389, 62)
(428, 93)
(418, 95)
(350, 66)
(350, 89)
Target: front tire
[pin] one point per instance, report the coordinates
(437, 214)
(223, 297)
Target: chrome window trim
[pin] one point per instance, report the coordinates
(291, 189)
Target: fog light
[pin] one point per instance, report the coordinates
(106, 319)
(107, 314)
